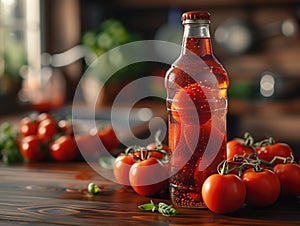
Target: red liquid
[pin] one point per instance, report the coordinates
(197, 106)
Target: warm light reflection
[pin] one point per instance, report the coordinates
(267, 84)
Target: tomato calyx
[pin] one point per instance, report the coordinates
(223, 168)
(268, 149)
(144, 169)
(248, 141)
(241, 146)
(241, 163)
(141, 153)
(224, 192)
(248, 153)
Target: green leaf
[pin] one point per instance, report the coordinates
(148, 206)
(166, 210)
(162, 208)
(8, 144)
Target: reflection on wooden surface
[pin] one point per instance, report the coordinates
(55, 194)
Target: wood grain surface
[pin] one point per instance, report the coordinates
(55, 194)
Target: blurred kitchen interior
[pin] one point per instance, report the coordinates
(258, 42)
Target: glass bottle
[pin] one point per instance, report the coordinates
(196, 86)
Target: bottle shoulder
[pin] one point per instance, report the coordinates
(194, 69)
(197, 65)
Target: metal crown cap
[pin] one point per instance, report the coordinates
(195, 17)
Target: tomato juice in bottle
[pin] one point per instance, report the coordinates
(196, 86)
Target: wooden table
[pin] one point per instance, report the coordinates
(51, 193)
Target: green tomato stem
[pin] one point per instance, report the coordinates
(158, 143)
(144, 151)
(265, 142)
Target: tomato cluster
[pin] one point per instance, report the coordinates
(145, 169)
(256, 174)
(43, 135)
(266, 149)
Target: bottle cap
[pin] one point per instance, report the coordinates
(195, 17)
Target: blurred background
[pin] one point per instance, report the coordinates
(46, 46)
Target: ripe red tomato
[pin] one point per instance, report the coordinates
(188, 102)
(149, 176)
(263, 187)
(33, 148)
(237, 147)
(107, 136)
(121, 168)
(64, 149)
(28, 127)
(47, 129)
(289, 176)
(268, 152)
(152, 147)
(223, 193)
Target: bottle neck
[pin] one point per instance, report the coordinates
(196, 38)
